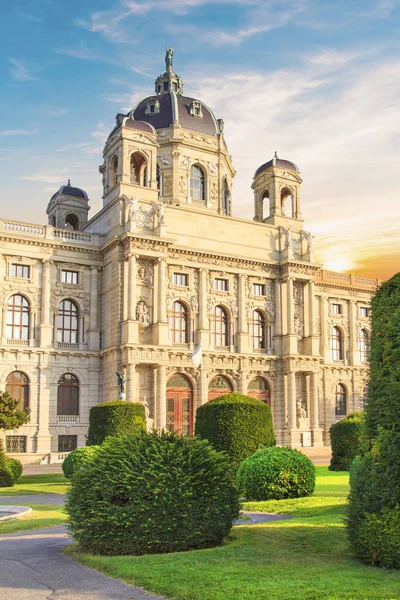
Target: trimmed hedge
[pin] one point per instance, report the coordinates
(15, 468)
(373, 515)
(346, 441)
(275, 474)
(152, 493)
(78, 459)
(115, 418)
(6, 476)
(238, 424)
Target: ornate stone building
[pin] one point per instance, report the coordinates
(164, 267)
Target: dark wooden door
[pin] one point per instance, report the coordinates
(180, 410)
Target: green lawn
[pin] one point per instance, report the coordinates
(305, 558)
(54, 483)
(43, 515)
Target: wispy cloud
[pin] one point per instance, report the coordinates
(19, 71)
(5, 132)
(46, 176)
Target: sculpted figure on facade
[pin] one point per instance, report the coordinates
(301, 409)
(194, 304)
(142, 313)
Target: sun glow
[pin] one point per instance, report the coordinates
(338, 264)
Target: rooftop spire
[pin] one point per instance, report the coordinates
(169, 81)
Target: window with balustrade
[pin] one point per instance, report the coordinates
(67, 322)
(18, 316)
(336, 343)
(68, 395)
(179, 324)
(17, 385)
(340, 401)
(220, 327)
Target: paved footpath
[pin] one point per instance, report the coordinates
(32, 567)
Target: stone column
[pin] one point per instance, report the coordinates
(45, 325)
(161, 404)
(43, 436)
(242, 304)
(314, 405)
(325, 330)
(203, 321)
(291, 380)
(131, 381)
(162, 316)
(278, 307)
(311, 305)
(354, 353)
(131, 312)
(94, 332)
(290, 309)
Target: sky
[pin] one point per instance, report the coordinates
(318, 81)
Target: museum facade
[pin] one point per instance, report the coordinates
(164, 269)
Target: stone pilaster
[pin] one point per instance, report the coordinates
(94, 330)
(316, 431)
(243, 335)
(161, 396)
(46, 328)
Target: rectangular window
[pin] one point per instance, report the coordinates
(15, 443)
(258, 289)
(165, 86)
(364, 311)
(336, 309)
(67, 443)
(221, 285)
(181, 279)
(69, 277)
(20, 271)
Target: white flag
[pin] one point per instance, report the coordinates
(197, 356)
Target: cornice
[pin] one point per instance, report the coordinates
(49, 245)
(223, 260)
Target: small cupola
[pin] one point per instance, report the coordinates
(276, 186)
(68, 208)
(169, 81)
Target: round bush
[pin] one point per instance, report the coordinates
(77, 459)
(6, 477)
(238, 424)
(276, 473)
(346, 441)
(15, 468)
(152, 493)
(115, 418)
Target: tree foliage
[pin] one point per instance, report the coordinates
(11, 416)
(346, 441)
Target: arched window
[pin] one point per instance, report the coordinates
(227, 199)
(220, 327)
(219, 386)
(259, 389)
(265, 206)
(68, 395)
(287, 203)
(258, 338)
(340, 401)
(180, 404)
(114, 171)
(72, 222)
(17, 323)
(17, 385)
(197, 181)
(179, 324)
(336, 344)
(67, 322)
(363, 345)
(138, 169)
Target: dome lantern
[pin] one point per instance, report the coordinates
(169, 81)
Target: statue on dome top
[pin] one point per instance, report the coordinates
(168, 59)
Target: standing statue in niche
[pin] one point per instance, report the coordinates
(301, 410)
(142, 313)
(168, 59)
(121, 379)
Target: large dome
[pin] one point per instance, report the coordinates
(178, 109)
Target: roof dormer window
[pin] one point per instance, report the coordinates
(152, 107)
(195, 109)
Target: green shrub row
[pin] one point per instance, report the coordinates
(346, 441)
(115, 418)
(10, 469)
(77, 459)
(237, 424)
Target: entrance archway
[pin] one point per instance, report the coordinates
(259, 389)
(180, 404)
(219, 386)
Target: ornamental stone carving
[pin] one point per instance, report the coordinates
(194, 305)
(165, 160)
(142, 313)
